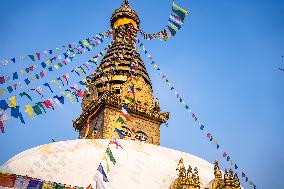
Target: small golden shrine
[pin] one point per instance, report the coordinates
(187, 178)
(230, 180)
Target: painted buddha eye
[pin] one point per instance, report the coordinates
(141, 136)
(126, 131)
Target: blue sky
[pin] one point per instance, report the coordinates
(224, 62)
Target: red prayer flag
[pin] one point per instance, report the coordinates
(89, 187)
(41, 74)
(7, 180)
(48, 104)
(2, 127)
(38, 55)
(209, 135)
(125, 116)
(79, 93)
(116, 143)
(224, 154)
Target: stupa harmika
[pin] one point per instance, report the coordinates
(139, 165)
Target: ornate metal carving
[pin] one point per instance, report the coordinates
(230, 181)
(186, 178)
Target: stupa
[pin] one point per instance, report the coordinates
(140, 161)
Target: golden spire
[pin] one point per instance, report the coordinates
(125, 2)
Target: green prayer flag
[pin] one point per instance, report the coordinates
(10, 89)
(40, 105)
(121, 120)
(110, 155)
(37, 110)
(32, 57)
(26, 94)
(179, 11)
(173, 32)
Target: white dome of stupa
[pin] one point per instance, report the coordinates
(75, 162)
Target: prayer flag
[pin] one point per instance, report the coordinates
(228, 158)
(179, 11)
(224, 154)
(173, 32)
(177, 26)
(99, 184)
(120, 133)
(60, 98)
(125, 116)
(26, 94)
(35, 184)
(47, 85)
(121, 120)
(37, 109)
(7, 180)
(32, 57)
(4, 117)
(236, 167)
(101, 170)
(48, 104)
(2, 80)
(14, 60)
(29, 110)
(27, 81)
(110, 155)
(13, 102)
(38, 55)
(2, 129)
(15, 75)
(3, 105)
(15, 112)
(10, 89)
(42, 74)
(114, 141)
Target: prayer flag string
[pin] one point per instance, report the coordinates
(196, 119)
(175, 23)
(79, 46)
(63, 62)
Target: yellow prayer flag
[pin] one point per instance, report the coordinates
(95, 59)
(56, 67)
(48, 62)
(29, 110)
(13, 102)
(69, 96)
(85, 43)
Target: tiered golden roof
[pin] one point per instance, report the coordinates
(124, 11)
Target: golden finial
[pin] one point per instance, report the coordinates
(217, 171)
(227, 178)
(237, 182)
(125, 2)
(196, 178)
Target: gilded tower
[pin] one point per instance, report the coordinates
(121, 72)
